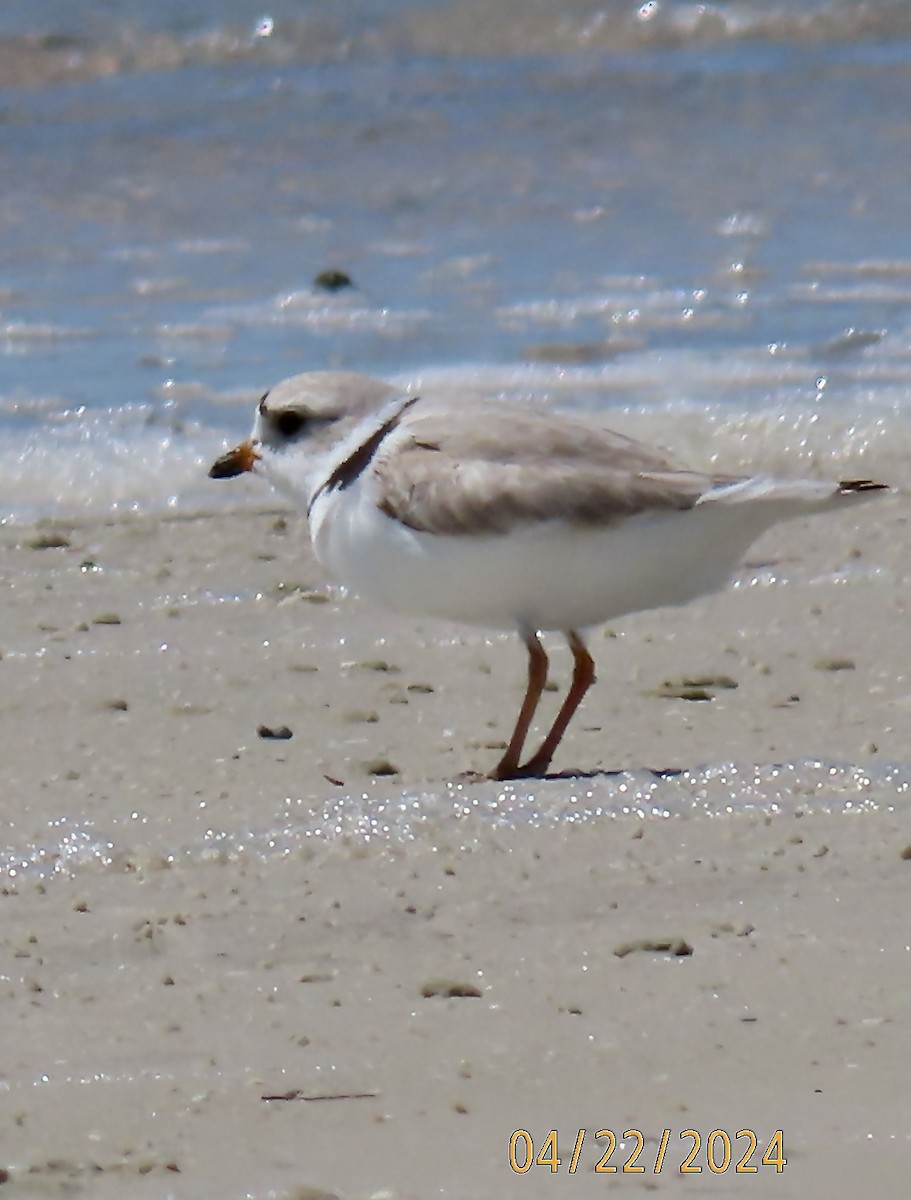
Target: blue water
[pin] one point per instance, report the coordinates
(654, 211)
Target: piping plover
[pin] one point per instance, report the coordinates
(500, 517)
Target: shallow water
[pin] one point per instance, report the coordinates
(692, 217)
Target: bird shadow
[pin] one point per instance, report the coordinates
(569, 775)
(614, 773)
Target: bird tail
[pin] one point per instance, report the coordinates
(792, 496)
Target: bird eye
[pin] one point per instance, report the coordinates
(289, 422)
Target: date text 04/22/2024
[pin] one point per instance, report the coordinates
(739, 1153)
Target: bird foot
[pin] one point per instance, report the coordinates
(533, 769)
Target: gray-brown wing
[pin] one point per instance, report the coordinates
(499, 483)
(491, 431)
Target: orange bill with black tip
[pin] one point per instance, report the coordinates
(242, 458)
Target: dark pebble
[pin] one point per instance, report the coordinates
(281, 734)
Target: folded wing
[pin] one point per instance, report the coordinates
(501, 470)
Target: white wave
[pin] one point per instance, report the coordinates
(757, 410)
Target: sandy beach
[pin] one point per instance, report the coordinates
(319, 965)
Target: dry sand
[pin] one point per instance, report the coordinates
(184, 936)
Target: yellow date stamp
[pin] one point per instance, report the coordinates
(689, 1153)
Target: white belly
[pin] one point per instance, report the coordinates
(539, 577)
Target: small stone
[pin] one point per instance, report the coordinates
(50, 540)
(108, 618)
(421, 689)
(379, 767)
(723, 682)
(835, 664)
(699, 687)
(741, 929)
(679, 691)
(333, 280)
(450, 989)
(359, 716)
(377, 664)
(116, 705)
(905, 854)
(676, 946)
(281, 733)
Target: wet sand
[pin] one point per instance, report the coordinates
(182, 967)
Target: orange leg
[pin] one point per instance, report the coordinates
(508, 766)
(583, 678)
